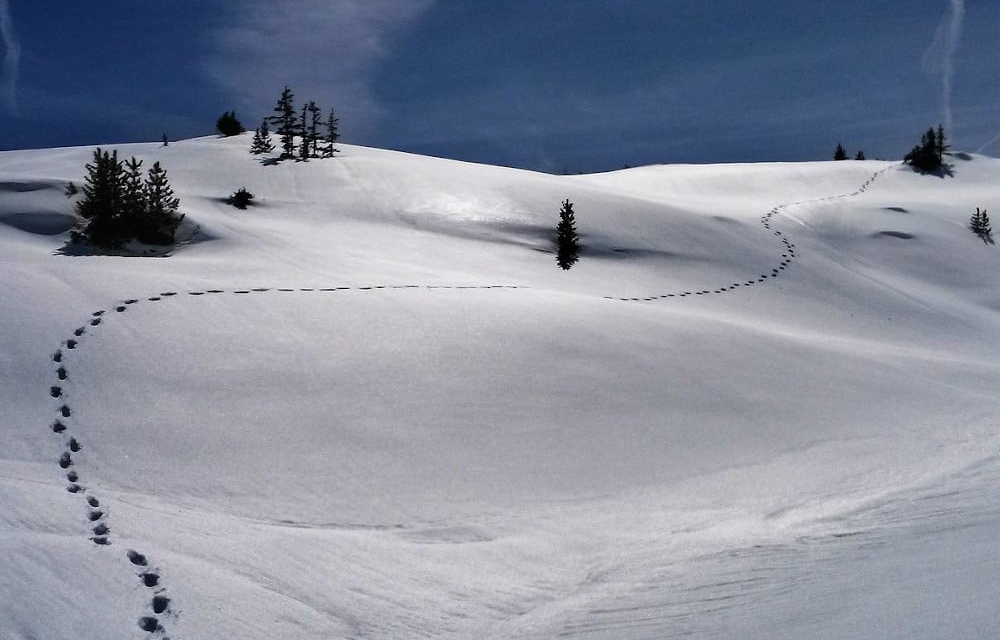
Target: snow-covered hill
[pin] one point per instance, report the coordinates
(763, 404)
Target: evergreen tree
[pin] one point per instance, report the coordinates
(101, 205)
(980, 225)
(227, 124)
(261, 140)
(304, 146)
(860, 155)
(567, 240)
(315, 120)
(332, 134)
(928, 156)
(840, 153)
(285, 122)
(133, 197)
(160, 220)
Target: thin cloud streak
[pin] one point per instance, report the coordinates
(324, 51)
(12, 56)
(939, 59)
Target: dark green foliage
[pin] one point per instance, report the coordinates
(840, 153)
(286, 122)
(159, 220)
(118, 206)
(261, 140)
(100, 208)
(928, 156)
(227, 124)
(240, 198)
(332, 134)
(567, 240)
(304, 146)
(860, 155)
(980, 225)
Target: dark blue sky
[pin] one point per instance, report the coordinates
(556, 85)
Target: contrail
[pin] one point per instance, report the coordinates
(12, 56)
(992, 141)
(940, 56)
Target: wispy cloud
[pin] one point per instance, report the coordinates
(939, 59)
(11, 58)
(324, 50)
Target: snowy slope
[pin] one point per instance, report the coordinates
(371, 406)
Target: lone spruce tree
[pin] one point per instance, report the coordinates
(840, 153)
(567, 240)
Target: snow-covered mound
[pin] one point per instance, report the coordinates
(762, 404)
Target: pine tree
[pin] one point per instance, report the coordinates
(304, 134)
(840, 153)
(332, 134)
(261, 140)
(227, 124)
(160, 220)
(860, 155)
(101, 205)
(285, 122)
(133, 197)
(928, 156)
(315, 121)
(980, 225)
(567, 240)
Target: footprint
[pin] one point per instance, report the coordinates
(58, 427)
(160, 604)
(168, 294)
(153, 299)
(94, 516)
(64, 410)
(61, 372)
(150, 579)
(119, 309)
(95, 322)
(196, 293)
(74, 488)
(65, 460)
(101, 540)
(136, 558)
(150, 624)
(101, 530)
(57, 356)
(94, 502)
(74, 446)
(71, 344)
(55, 392)
(79, 331)
(72, 476)
(131, 301)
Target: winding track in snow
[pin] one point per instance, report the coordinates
(160, 606)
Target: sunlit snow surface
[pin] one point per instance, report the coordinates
(762, 405)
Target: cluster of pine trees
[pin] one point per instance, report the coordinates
(981, 226)
(303, 134)
(928, 156)
(841, 154)
(119, 205)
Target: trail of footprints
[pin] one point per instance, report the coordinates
(96, 513)
(100, 531)
(787, 256)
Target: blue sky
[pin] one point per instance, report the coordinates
(555, 85)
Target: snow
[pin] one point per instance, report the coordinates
(371, 405)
